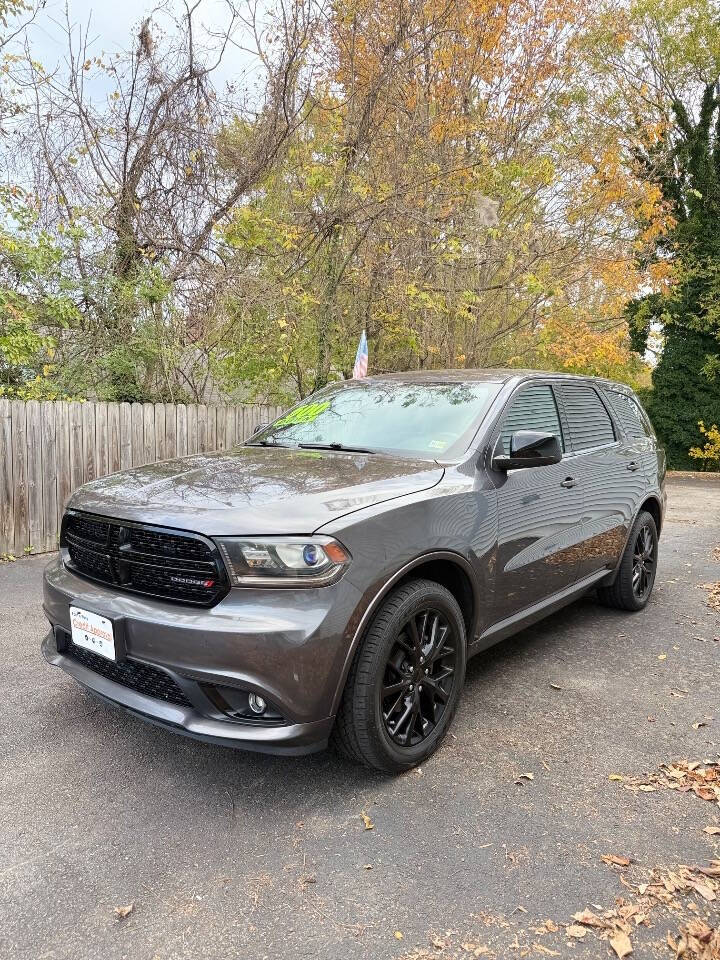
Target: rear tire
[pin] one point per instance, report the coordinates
(405, 680)
(636, 574)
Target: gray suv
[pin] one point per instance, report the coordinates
(328, 579)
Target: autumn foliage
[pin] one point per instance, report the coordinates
(474, 183)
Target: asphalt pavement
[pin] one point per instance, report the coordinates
(488, 850)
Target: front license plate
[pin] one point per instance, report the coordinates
(93, 632)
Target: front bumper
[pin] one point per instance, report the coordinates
(289, 646)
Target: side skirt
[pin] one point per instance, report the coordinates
(518, 621)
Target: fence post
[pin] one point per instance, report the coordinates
(7, 534)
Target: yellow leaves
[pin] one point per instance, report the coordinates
(710, 452)
(578, 345)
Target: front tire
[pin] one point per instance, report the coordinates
(405, 680)
(636, 575)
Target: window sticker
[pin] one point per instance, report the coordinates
(305, 414)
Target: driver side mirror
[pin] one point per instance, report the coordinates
(528, 448)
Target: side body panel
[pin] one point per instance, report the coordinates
(611, 498)
(539, 533)
(539, 512)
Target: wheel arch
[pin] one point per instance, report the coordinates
(652, 505)
(445, 567)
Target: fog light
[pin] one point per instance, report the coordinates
(256, 703)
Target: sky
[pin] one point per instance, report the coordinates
(111, 22)
(114, 24)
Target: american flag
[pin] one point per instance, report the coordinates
(361, 359)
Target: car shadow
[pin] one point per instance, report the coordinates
(325, 779)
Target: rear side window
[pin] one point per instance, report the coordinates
(630, 415)
(590, 423)
(533, 409)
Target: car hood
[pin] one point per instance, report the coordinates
(255, 490)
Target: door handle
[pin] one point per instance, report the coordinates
(633, 465)
(569, 482)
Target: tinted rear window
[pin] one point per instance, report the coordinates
(533, 409)
(628, 412)
(590, 423)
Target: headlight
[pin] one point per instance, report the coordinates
(283, 561)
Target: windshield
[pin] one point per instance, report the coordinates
(428, 420)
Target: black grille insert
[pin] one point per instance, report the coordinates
(132, 674)
(156, 561)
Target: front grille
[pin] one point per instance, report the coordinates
(144, 559)
(132, 674)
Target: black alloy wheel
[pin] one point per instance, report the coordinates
(418, 678)
(405, 680)
(643, 562)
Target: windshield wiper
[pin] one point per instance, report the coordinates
(267, 443)
(334, 446)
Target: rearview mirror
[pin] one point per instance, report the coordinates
(528, 448)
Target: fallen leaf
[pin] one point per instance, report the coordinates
(545, 951)
(713, 831)
(368, 866)
(707, 893)
(554, 686)
(615, 776)
(663, 656)
(621, 944)
(610, 858)
(398, 935)
(699, 723)
(576, 932)
(589, 919)
(525, 776)
(122, 912)
(369, 825)
(700, 930)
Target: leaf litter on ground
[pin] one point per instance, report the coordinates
(713, 597)
(701, 777)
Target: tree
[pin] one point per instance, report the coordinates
(133, 184)
(667, 56)
(463, 180)
(446, 196)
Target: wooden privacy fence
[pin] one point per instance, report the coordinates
(48, 449)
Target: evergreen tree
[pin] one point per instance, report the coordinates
(686, 381)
